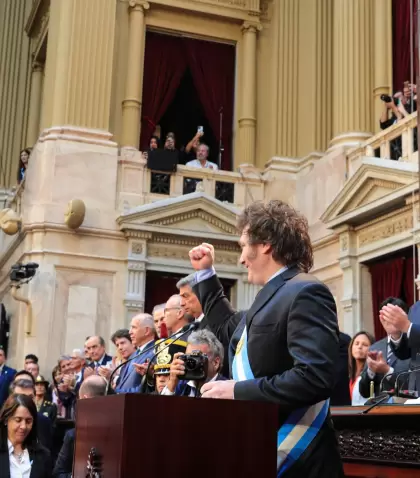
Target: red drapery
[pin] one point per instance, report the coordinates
(164, 66)
(410, 271)
(213, 69)
(387, 281)
(402, 42)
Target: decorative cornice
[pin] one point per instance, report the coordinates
(134, 304)
(78, 134)
(181, 253)
(63, 229)
(179, 241)
(324, 242)
(136, 266)
(132, 233)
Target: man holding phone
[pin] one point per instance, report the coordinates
(201, 161)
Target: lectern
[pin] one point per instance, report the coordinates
(132, 435)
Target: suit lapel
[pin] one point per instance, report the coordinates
(267, 292)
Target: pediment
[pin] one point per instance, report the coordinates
(376, 183)
(192, 214)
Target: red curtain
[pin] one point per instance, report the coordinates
(402, 42)
(164, 66)
(213, 69)
(387, 281)
(410, 272)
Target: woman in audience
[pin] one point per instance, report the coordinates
(23, 164)
(358, 349)
(20, 452)
(57, 377)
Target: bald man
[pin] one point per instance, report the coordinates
(142, 334)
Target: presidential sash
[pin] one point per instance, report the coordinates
(300, 427)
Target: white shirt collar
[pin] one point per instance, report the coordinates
(99, 362)
(1, 368)
(192, 384)
(142, 347)
(280, 271)
(23, 469)
(199, 318)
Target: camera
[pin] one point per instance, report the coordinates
(388, 99)
(20, 272)
(196, 365)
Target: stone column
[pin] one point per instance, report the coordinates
(352, 72)
(382, 55)
(136, 280)
(35, 98)
(77, 81)
(247, 121)
(131, 106)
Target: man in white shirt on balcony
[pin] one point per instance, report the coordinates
(201, 161)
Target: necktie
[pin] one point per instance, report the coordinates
(390, 357)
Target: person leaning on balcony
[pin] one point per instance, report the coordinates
(23, 163)
(202, 161)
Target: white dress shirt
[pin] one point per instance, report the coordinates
(19, 470)
(199, 318)
(191, 383)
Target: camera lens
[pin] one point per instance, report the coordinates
(190, 364)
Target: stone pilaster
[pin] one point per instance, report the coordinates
(35, 98)
(352, 71)
(77, 82)
(382, 55)
(131, 106)
(248, 121)
(136, 278)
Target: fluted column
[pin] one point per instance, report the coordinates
(77, 82)
(131, 106)
(382, 55)
(352, 71)
(247, 121)
(35, 98)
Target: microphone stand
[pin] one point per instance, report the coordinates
(416, 369)
(189, 328)
(220, 136)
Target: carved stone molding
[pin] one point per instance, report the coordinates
(138, 234)
(134, 304)
(138, 5)
(361, 197)
(253, 27)
(181, 253)
(174, 240)
(137, 248)
(136, 266)
(179, 218)
(392, 227)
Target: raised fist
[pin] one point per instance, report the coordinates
(202, 257)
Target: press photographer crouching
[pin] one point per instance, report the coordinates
(201, 363)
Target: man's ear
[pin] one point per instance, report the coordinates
(266, 248)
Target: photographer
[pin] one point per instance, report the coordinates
(392, 104)
(202, 341)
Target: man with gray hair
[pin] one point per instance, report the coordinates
(142, 334)
(189, 301)
(202, 341)
(175, 316)
(158, 313)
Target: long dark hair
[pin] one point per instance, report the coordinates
(7, 412)
(21, 165)
(352, 361)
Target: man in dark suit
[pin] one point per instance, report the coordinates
(205, 342)
(285, 348)
(341, 393)
(94, 386)
(6, 377)
(407, 346)
(382, 361)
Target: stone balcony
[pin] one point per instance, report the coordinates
(138, 185)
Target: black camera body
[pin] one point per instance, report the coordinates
(389, 99)
(20, 272)
(196, 366)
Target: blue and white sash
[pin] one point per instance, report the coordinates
(300, 427)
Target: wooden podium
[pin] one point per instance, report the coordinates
(383, 443)
(155, 436)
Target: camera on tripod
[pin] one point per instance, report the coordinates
(20, 272)
(196, 365)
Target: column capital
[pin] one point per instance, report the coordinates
(252, 27)
(138, 5)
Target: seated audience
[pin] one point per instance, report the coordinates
(381, 361)
(6, 377)
(122, 341)
(94, 386)
(202, 341)
(44, 428)
(175, 316)
(23, 164)
(158, 317)
(358, 350)
(142, 334)
(21, 455)
(201, 161)
(47, 408)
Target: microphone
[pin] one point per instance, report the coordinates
(385, 396)
(147, 350)
(187, 328)
(382, 381)
(416, 369)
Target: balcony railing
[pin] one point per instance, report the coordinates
(140, 185)
(399, 142)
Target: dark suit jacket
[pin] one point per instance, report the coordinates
(341, 393)
(184, 390)
(41, 462)
(129, 380)
(6, 378)
(45, 431)
(389, 383)
(293, 349)
(64, 464)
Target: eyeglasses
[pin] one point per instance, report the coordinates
(171, 308)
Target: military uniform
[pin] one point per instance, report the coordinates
(47, 408)
(165, 355)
